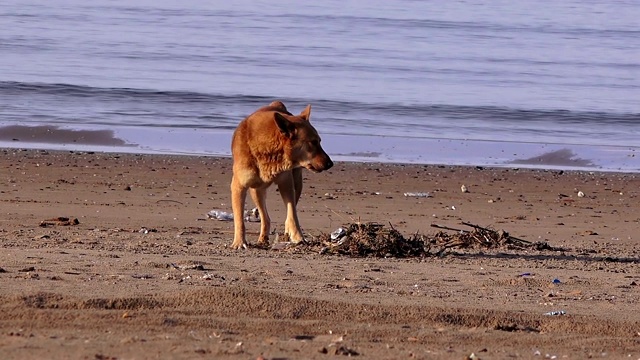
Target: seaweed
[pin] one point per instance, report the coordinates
(377, 240)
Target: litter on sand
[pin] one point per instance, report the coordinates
(417, 194)
(252, 215)
(556, 313)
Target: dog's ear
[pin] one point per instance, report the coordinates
(286, 127)
(306, 113)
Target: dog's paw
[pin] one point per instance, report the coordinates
(241, 245)
(294, 237)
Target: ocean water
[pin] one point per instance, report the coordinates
(533, 83)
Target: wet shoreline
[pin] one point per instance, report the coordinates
(351, 148)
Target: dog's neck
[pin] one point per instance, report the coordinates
(273, 163)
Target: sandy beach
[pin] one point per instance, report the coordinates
(144, 273)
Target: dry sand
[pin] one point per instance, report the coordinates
(145, 274)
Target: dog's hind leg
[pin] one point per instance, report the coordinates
(287, 189)
(297, 181)
(238, 196)
(259, 196)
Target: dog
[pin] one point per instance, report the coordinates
(272, 146)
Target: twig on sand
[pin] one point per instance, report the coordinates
(447, 228)
(506, 234)
(168, 200)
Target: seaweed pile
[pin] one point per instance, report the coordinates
(377, 240)
(483, 237)
(373, 239)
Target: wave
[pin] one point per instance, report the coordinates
(204, 106)
(493, 27)
(82, 91)
(483, 113)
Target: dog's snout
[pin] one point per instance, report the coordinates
(329, 164)
(323, 163)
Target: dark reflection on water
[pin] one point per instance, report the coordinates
(54, 135)
(562, 157)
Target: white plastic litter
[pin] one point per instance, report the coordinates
(252, 215)
(417, 194)
(220, 215)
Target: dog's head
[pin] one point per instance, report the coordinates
(303, 140)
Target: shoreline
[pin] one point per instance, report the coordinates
(368, 149)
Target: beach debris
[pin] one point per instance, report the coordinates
(330, 196)
(371, 240)
(190, 230)
(142, 276)
(556, 313)
(281, 245)
(59, 221)
(377, 240)
(208, 276)
(237, 349)
(343, 350)
(417, 194)
(483, 237)
(556, 281)
(464, 188)
(515, 328)
(252, 215)
(195, 266)
(338, 234)
(304, 337)
(580, 194)
(146, 230)
(105, 357)
(220, 215)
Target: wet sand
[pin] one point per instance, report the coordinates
(55, 135)
(145, 274)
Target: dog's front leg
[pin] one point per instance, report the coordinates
(238, 196)
(297, 181)
(287, 189)
(259, 196)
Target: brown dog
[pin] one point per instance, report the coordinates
(272, 146)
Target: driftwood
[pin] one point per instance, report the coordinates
(59, 221)
(482, 237)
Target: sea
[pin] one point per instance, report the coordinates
(543, 84)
